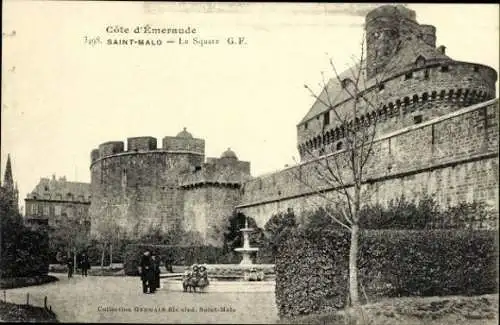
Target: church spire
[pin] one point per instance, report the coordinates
(8, 180)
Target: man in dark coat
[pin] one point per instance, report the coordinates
(169, 260)
(69, 263)
(147, 275)
(84, 264)
(156, 272)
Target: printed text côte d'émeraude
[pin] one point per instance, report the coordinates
(148, 29)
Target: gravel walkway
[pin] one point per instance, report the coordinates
(120, 299)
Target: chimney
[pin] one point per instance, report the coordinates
(442, 49)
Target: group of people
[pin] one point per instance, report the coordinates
(195, 277)
(83, 264)
(150, 272)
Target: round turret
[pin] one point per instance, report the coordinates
(229, 154)
(428, 34)
(184, 134)
(385, 27)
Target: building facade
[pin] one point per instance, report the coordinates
(58, 201)
(436, 134)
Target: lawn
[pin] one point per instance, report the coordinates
(451, 310)
(22, 313)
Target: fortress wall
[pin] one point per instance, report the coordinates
(141, 144)
(454, 157)
(187, 144)
(206, 209)
(438, 94)
(475, 180)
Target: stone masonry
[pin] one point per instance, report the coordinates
(437, 134)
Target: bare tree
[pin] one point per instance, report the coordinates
(336, 160)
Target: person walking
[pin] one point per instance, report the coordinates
(169, 260)
(84, 264)
(146, 271)
(71, 265)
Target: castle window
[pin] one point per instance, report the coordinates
(425, 97)
(326, 118)
(426, 74)
(476, 68)
(46, 188)
(406, 101)
(381, 87)
(408, 75)
(420, 60)
(391, 109)
(305, 126)
(417, 119)
(345, 82)
(339, 145)
(445, 68)
(434, 94)
(442, 94)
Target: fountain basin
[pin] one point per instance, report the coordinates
(227, 278)
(246, 249)
(221, 285)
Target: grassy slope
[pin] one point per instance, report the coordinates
(22, 313)
(420, 311)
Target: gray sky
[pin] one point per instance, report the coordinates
(62, 97)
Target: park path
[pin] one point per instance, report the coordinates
(120, 299)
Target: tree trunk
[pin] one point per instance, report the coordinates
(102, 256)
(110, 254)
(353, 266)
(74, 260)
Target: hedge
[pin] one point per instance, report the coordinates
(24, 253)
(19, 282)
(181, 255)
(312, 266)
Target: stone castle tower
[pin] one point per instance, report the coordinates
(145, 187)
(405, 77)
(423, 102)
(436, 125)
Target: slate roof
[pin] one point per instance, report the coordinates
(404, 59)
(52, 189)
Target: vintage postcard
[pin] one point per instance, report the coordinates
(242, 162)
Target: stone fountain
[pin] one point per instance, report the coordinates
(233, 277)
(246, 250)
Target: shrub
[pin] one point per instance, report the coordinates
(24, 251)
(182, 255)
(312, 266)
(275, 230)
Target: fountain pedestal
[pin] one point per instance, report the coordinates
(246, 250)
